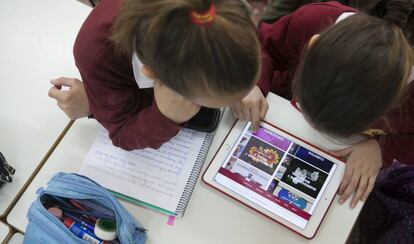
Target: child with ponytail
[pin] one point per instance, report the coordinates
(148, 66)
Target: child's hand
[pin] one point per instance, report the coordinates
(74, 101)
(362, 167)
(252, 107)
(172, 105)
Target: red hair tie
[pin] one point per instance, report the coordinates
(203, 18)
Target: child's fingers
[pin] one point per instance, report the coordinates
(246, 114)
(362, 186)
(349, 170)
(350, 187)
(62, 81)
(237, 112)
(371, 183)
(254, 112)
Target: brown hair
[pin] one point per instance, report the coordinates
(353, 75)
(222, 57)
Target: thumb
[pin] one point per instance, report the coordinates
(63, 82)
(342, 153)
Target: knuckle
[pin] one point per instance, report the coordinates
(345, 195)
(354, 184)
(347, 176)
(236, 106)
(346, 180)
(359, 192)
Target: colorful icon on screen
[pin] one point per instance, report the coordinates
(292, 198)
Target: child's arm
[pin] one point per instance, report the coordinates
(130, 114)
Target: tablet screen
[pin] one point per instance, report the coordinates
(276, 174)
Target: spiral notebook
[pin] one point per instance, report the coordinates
(161, 179)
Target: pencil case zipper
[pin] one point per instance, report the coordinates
(107, 196)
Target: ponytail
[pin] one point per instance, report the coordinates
(220, 56)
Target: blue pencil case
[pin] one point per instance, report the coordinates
(76, 195)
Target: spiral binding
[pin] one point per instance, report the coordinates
(195, 172)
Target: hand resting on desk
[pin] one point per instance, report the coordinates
(364, 161)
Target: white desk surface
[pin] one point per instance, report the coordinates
(4, 232)
(17, 238)
(35, 45)
(210, 217)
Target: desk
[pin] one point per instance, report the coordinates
(17, 238)
(210, 217)
(36, 46)
(4, 232)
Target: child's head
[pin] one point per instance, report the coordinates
(214, 63)
(353, 74)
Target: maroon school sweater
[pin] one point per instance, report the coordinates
(282, 45)
(129, 114)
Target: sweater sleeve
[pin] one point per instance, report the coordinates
(282, 42)
(128, 113)
(399, 147)
(399, 144)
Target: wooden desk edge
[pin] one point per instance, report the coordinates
(9, 235)
(5, 214)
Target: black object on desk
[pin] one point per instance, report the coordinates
(206, 120)
(6, 171)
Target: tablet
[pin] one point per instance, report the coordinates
(276, 174)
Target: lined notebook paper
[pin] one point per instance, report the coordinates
(162, 179)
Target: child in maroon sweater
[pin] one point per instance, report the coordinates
(148, 66)
(352, 78)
